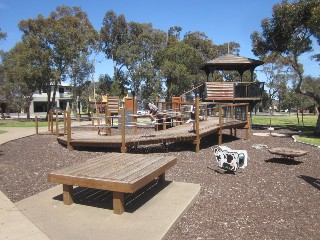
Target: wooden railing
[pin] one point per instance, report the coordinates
(233, 90)
(234, 111)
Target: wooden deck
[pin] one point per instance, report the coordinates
(175, 134)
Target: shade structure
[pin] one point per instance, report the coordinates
(231, 62)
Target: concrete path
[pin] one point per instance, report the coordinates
(44, 216)
(13, 223)
(13, 133)
(151, 219)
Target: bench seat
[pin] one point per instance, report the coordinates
(117, 172)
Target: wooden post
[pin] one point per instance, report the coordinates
(162, 178)
(197, 124)
(51, 122)
(69, 147)
(123, 131)
(248, 122)
(49, 114)
(64, 122)
(220, 126)
(92, 119)
(37, 124)
(67, 194)
(57, 124)
(108, 122)
(118, 203)
(164, 122)
(134, 112)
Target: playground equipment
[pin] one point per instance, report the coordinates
(230, 160)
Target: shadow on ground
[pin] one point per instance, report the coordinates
(281, 160)
(103, 199)
(315, 182)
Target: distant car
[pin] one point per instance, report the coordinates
(56, 110)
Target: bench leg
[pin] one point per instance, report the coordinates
(162, 178)
(118, 203)
(67, 194)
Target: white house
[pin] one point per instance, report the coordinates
(63, 99)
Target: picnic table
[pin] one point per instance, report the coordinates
(289, 153)
(117, 172)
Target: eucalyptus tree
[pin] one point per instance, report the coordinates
(64, 36)
(23, 75)
(143, 43)
(279, 74)
(3, 83)
(85, 90)
(79, 73)
(104, 84)
(113, 35)
(179, 62)
(179, 66)
(234, 49)
(289, 33)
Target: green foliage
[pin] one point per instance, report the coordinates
(113, 35)
(60, 42)
(288, 33)
(3, 35)
(21, 75)
(104, 84)
(115, 89)
(179, 62)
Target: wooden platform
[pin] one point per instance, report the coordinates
(117, 172)
(175, 134)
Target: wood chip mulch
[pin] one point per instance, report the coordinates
(272, 198)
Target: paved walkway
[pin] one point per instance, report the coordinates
(14, 224)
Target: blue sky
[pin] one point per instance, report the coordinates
(221, 21)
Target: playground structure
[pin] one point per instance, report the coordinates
(170, 128)
(221, 105)
(229, 159)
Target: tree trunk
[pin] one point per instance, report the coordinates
(48, 101)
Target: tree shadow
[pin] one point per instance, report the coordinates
(282, 160)
(315, 182)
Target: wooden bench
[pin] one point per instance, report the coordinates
(289, 153)
(117, 172)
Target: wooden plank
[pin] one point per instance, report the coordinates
(129, 170)
(145, 169)
(112, 183)
(143, 181)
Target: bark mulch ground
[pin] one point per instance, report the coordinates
(272, 198)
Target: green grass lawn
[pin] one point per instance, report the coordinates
(291, 121)
(21, 124)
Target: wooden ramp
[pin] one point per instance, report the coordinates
(175, 134)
